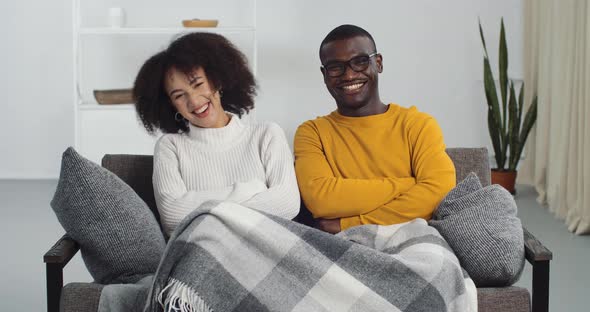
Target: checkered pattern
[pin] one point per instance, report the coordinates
(225, 257)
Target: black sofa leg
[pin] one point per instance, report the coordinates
(540, 286)
(54, 285)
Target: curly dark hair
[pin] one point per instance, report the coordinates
(225, 66)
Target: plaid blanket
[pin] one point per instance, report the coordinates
(225, 257)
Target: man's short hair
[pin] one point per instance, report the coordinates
(346, 31)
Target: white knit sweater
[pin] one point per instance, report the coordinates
(246, 163)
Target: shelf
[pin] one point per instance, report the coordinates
(91, 107)
(162, 30)
(106, 57)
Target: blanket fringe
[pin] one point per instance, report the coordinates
(179, 297)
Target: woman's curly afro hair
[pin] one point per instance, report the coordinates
(226, 69)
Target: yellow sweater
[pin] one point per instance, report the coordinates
(380, 169)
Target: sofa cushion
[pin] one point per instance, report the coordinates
(80, 297)
(481, 226)
(85, 297)
(503, 299)
(119, 237)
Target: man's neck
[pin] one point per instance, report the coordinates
(374, 108)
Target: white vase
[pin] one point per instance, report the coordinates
(116, 18)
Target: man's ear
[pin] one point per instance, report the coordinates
(379, 60)
(324, 74)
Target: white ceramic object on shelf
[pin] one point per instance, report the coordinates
(116, 18)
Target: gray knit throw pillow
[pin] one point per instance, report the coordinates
(119, 237)
(481, 226)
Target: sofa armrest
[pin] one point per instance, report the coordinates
(62, 251)
(55, 260)
(534, 249)
(539, 256)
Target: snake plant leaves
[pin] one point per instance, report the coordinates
(507, 130)
(503, 71)
(513, 128)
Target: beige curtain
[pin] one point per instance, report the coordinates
(557, 66)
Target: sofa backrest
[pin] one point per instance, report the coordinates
(471, 159)
(136, 170)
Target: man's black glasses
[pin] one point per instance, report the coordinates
(357, 63)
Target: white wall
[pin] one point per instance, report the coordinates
(36, 114)
(432, 59)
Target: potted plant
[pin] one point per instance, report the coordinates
(508, 130)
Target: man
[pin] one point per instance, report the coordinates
(367, 162)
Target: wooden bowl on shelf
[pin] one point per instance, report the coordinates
(114, 96)
(199, 23)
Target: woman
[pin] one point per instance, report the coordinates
(195, 92)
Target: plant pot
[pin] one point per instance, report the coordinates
(506, 178)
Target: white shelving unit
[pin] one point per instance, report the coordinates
(109, 58)
(162, 30)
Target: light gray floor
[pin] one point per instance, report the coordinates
(29, 228)
(570, 268)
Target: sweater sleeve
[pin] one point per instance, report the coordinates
(327, 196)
(282, 196)
(173, 199)
(435, 177)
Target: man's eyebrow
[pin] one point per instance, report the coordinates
(346, 60)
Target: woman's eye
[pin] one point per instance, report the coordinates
(196, 85)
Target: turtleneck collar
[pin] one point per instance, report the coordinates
(365, 121)
(217, 136)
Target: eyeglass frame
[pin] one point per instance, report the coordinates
(348, 64)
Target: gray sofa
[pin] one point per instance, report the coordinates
(136, 170)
